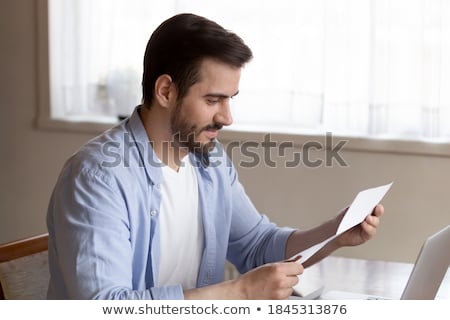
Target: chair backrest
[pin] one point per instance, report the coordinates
(24, 268)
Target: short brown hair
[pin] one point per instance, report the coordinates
(179, 45)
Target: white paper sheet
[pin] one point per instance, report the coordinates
(363, 204)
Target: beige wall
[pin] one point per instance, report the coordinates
(31, 158)
(416, 205)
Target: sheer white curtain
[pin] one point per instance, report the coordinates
(96, 52)
(376, 68)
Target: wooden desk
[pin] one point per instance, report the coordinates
(381, 278)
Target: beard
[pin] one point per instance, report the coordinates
(184, 134)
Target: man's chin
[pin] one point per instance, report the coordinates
(203, 148)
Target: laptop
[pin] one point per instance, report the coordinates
(426, 277)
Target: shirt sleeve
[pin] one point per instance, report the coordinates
(92, 240)
(254, 240)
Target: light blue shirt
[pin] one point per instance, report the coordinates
(103, 220)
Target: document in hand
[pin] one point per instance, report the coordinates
(363, 204)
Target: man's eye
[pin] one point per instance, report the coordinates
(212, 101)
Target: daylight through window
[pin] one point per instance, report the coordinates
(352, 67)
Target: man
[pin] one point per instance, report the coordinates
(152, 208)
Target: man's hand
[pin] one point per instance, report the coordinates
(362, 232)
(270, 281)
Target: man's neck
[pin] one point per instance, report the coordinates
(157, 127)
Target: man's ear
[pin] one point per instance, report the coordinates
(164, 90)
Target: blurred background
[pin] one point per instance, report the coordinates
(373, 73)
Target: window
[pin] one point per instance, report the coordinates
(367, 68)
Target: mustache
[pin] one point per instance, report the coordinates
(214, 126)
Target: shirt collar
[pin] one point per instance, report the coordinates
(140, 138)
(201, 159)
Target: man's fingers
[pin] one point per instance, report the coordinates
(378, 210)
(294, 268)
(291, 281)
(372, 220)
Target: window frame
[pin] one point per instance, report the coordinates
(44, 120)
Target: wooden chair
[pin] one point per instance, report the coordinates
(24, 263)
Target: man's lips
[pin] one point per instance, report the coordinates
(211, 133)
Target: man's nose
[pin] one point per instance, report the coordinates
(224, 116)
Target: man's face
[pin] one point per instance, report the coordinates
(197, 118)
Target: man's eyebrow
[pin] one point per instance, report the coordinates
(219, 95)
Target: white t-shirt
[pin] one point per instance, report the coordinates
(181, 227)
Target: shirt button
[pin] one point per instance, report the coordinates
(153, 213)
